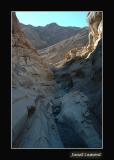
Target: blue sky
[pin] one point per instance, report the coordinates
(62, 18)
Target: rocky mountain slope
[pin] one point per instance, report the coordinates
(42, 37)
(58, 105)
(56, 53)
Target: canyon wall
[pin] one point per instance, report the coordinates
(80, 81)
(32, 90)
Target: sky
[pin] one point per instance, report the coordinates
(62, 18)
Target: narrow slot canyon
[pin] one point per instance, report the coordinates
(57, 89)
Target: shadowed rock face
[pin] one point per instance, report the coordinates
(65, 82)
(86, 79)
(67, 100)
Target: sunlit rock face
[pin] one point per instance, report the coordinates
(96, 27)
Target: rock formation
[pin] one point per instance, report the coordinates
(58, 105)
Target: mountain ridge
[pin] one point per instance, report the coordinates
(45, 36)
